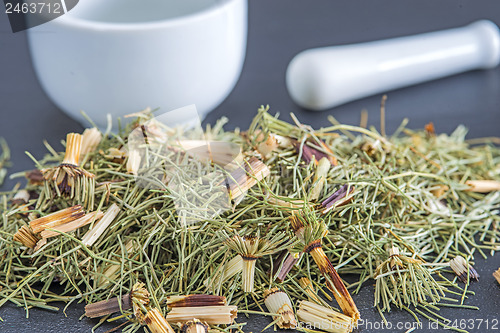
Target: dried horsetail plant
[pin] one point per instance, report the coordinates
(307, 285)
(30, 235)
(100, 227)
(233, 267)
(401, 280)
(146, 315)
(107, 307)
(134, 162)
(400, 170)
(483, 186)
(26, 237)
(324, 318)
(310, 232)
(338, 198)
(194, 326)
(250, 248)
(267, 146)
(34, 177)
(284, 202)
(225, 154)
(245, 177)
(57, 218)
(284, 264)
(496, 275)
(73, 225)
(112, 271)
(224, 273)
(463, 270)
(310, 152)
(156, 322)
(195, 300)
(68, 178)
(137, 300)
(277, 301)
(319, 179)
(214, 315)
(21, 197)
(140, 301)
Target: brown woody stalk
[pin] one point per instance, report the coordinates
(195, 300)
(334, 282)
(106, 307)
(58, 218)
(70, 226)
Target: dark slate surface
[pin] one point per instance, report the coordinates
(278, 29)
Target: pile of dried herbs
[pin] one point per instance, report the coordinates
(202, 225)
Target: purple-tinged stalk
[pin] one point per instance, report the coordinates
(338, 198)
(310, 152)
(284, 264)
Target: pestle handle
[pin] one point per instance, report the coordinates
(325, 77)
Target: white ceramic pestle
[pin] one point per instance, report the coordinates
(325, 77)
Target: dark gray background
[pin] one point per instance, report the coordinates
(278, 29)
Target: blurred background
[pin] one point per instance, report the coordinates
(278, 30)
